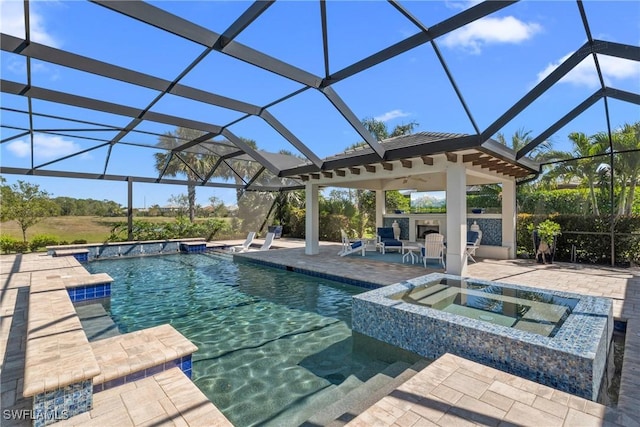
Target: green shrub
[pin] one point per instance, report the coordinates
(41, 240)
(79, 242)
(181, 228)
(7, 244)
(590, 248)
(20, 247)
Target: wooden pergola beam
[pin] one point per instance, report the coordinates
(481, 161)
(466, 158)
(406, 163)
(426, 160)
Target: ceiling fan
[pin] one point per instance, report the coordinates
(405, 179)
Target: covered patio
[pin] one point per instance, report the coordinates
(420, 162)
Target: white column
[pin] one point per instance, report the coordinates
(509, 216)
(312, 245)
(380, 207)
(456, 218)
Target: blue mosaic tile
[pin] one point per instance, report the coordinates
(52, 406)
(81, 257)
(89, 292)
(581, 342)
(491, 230)
(402, 222)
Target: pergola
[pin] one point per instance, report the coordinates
(130, 129)
(452, 170)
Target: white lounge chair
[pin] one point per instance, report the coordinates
(433, 249)
(350, 246)
(247, 243)
(268, 240)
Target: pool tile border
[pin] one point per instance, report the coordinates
(183, 363)
(89, 292)
(313, 273)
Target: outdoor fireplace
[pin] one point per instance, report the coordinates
(426, 227)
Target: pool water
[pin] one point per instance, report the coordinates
(268, 339)
(537, 312)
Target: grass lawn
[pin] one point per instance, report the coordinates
(93, 229)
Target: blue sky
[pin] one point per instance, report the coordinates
(494, 62)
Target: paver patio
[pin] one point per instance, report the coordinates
(506, 399)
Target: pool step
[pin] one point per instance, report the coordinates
(357, 400)
(295, 415)
(96, 322)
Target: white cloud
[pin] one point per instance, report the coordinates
(390, 115)
(490, 30)
(585, 74)
(45, 147)
(12, 22)
(18, 66)
(461, 4)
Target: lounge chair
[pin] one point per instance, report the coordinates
(387, 241)
(268, 240)
(350, 246)
(473, 243)
(433, 249)
(247, 243)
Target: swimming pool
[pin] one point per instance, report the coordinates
(269, 340)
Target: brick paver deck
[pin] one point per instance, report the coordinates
(487, 397)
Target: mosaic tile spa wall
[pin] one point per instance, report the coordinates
(573, 360)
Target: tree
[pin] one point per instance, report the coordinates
(626, 164)
(26, 204)
(181, 203)
(191, 163)
(218, 208)
(376, 127)
(542, 152)
(586, 168)
(396, 201)
(404, 129)
(364, 200)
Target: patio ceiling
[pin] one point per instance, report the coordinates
(140, 125)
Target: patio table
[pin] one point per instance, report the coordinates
(410, 248)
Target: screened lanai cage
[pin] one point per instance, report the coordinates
(242, 100)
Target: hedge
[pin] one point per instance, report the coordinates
(594, 249)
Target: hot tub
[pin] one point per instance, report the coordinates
(559, 339)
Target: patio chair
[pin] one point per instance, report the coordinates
(473, 243)
(350, 246)
(268, 240)
(433, 249)
(247, 243)
(387, 241)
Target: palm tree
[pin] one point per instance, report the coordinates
(191, 163)
(626, 165)
(629, 141)
(586, 167)
(542, 152)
